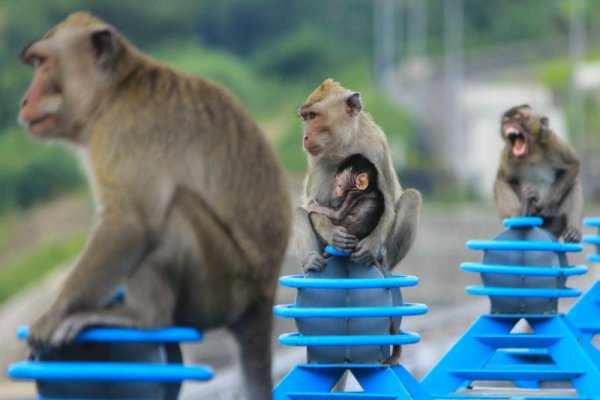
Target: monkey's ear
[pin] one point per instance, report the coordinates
(362, 181)
(353, 104)
(104, 46)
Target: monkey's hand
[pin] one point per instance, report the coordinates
(313, 207)
(531, 198)
(342, 240)
(41, 332)
(366, 252)
(315, 262)
(572, 234)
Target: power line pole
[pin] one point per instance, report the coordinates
(576, 57)
(384, 34)
(454, 133)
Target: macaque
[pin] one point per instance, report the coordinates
(335, 127)
(357, 207)
(358, 203)
(538, 174)
(193, 208)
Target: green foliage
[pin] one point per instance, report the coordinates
(555, 75)
(31, 172)
(301, 55)
(37, 263)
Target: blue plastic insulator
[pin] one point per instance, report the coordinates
(120, 335)
(291, 311)
(108, 371)
(593, 222)
(523, 270)
(300, 282)
(592, 239)
(524, 245)
(595, 258)
(523, 222)
(522, 292)
(297, 339)
(335, 252)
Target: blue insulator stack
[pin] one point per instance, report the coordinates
(593, 240)
(346, 315)
(114, 363)
(584, 316)
(524, 271)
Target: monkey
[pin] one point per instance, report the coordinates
(358, 205)
(164, 153)
(335, 127)
(538, 174)
(358, 202)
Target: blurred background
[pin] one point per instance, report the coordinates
(436, 75)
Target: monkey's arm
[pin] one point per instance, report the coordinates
(567, 166)
(116, 246)
(316, 208)
(336, 214)
(508, 202)
(336, 236)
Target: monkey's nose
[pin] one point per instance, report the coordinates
(24, 101)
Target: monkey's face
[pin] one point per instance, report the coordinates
(66, 84)
(329, 114)
(317, 136)
(515, 137)
(42, 106)
(348, 181)
(344, 182)
(516, 129)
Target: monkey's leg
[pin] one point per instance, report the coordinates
(306, 242)
(114, 250)
(239, 289)
(149, 303)
(404, 230)
(567, 222)
(252, 333)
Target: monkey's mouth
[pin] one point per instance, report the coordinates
(517, 141)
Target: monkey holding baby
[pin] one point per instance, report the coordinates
(335, 127)
(370, 216)
(538, 174)
(165, 154)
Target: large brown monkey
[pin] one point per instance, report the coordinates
(538, 174)
(335, 126)
(194, 211)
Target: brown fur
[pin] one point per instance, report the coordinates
(542, 179)
(193, 207)
(335, 128)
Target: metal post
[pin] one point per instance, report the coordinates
(453, 76)
(576, 57)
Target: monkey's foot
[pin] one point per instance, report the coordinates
(315, 263)
(394, 359)
(572, 235)
(40, 333)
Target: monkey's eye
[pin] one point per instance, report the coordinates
(37, 61)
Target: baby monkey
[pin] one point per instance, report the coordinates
(358, 203)
(357, 206)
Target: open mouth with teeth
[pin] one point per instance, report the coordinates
(517, 141)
